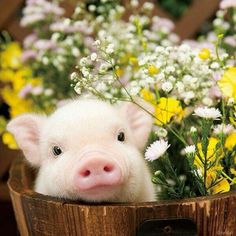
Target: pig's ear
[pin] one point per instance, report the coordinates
(139, 120)
(26, 131)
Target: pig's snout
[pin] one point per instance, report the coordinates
(97, 172)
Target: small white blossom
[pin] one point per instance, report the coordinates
(171, 182)
(230, 102)
(190, 149)
(134, 3)
(215, 65)
(83, 61)
(74, 76)
(85, 71)
(94, 56)
(160, 132)
(156, 150)
(110, 48)
(182, 178)
(97, 43)
(167, 86)
(207, 113)
(222, 128)
(193, 129)
(75, 51)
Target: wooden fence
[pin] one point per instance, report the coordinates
(186, 27)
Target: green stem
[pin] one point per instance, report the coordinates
(227, 177)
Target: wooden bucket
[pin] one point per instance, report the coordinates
(37, 214)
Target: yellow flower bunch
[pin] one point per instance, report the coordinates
(166, 109)
(227, 83)
(15, 76)
(215, 183)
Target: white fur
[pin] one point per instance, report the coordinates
(90, 125)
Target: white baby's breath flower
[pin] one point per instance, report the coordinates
(215, 65)
(74, 76)
(193, 129)
(230, 102)
(134, 3)
(75, 51)
(167, 86)
(190, 149)
(93, 56)
(85, 71)
(207, 113)
(83, 61)
(97, 43)
(110, 48)
(156, 150)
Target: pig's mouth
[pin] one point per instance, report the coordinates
(100, 192)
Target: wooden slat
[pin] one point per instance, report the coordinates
(186, 26)
(8, 9)
(15, 30)
(4, 192)
(194, 17)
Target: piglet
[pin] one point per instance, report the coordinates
(88, 150)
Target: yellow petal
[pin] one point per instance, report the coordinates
(9, 140)
(222, 187)
(227, 83)
(230, 141)
(204, 54)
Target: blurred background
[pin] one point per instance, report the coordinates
(191, 18)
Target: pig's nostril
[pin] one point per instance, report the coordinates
(108, 168)
(86, 173)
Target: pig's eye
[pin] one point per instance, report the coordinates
(56, 151)
(121, 137)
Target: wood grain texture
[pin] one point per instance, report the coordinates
(37, 214)
(191, 21)
(186, 27)
(6, 158)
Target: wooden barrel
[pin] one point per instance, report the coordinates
(37, 214)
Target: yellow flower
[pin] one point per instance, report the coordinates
(227, 83)
(166, 109)
(9, 140)
(221, 187)
(119, 72)
(211, 155)
(17, 105)
(3, 123)
(233, 171)
(153, 70)
(11, 56)
(7, 75)
(230, 141)
(204, 54)
(148, 96)
(133, 61)
(212, 174)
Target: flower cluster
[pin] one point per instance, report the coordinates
(56, 43)
(19, 86)
(192, 91)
